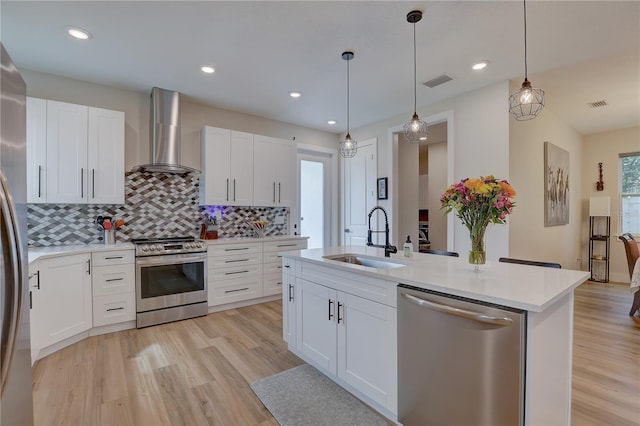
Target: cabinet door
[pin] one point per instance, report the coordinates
(105, 157)
(36, 150)
(241, 184)
(286, 173)
(290, 295)
(265, 185)
(367, 348)
(215, 165)
(66, 152)
(35, 322)
(65, 298)
(318, 328)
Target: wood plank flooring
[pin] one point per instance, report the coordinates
(197, 372)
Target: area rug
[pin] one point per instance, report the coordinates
(302, 396)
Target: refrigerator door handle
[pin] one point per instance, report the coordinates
(11, 280)
(476, 316)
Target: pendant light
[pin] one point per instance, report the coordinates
(348, 147)
(526, 103)
(415, 130)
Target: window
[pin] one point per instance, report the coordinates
(630, 193)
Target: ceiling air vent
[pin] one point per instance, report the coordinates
(441, 79)
(597, 104)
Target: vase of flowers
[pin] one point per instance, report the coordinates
(479, 202)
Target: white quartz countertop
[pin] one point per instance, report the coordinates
(531, 288)
(36, 253)
(254, 239)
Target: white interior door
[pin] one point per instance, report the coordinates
(359, 193)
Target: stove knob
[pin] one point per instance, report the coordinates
(188, 245)
(143, 248)
(157, 247)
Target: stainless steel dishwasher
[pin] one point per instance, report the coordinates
(460, 361)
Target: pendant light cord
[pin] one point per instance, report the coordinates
(348, 95)
(525, 39)
(415, 78)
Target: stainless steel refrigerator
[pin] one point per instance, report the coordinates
(16, 406)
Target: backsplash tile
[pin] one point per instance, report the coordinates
(156, 205)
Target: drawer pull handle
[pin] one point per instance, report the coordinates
(279, 283)
(287, 266)
(237, 260)
(238, 289)
(290, 293)
(114, 279)
(279, 266)
(121, 308)
(287, 245)
(238, 272)
(236, 249)
(113, 257)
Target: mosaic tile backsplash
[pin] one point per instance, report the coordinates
(156, 205)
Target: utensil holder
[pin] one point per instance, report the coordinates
(109, 236)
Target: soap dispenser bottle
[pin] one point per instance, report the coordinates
(407, 249)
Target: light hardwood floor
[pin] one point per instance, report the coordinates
(197, 372)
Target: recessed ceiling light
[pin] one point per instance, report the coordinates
(79, 33)
(479, 65)
(295, 94)
(207, 69)
(331, 122)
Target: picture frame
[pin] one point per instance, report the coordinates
(556, 185)
(382, 188)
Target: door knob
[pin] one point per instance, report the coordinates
(347, 230)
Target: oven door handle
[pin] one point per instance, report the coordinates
(171, 259)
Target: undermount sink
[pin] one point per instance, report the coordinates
(371, 262)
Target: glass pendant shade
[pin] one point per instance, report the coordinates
(526, 103)
(415, 131)
(348, 147)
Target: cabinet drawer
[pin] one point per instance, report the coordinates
(236, 271)
(234, 249)
(114, 279)
(271, 256)
(284, 245)
(113, 257)
(235, 291)
(234, 260)
(114, 308)
(273, 267)
(272, 284)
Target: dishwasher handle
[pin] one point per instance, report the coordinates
(449, 310)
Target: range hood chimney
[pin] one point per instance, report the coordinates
(164, 134)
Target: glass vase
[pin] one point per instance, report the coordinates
(477, 255)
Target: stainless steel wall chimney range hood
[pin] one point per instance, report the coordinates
(164, 134)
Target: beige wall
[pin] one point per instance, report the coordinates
(136, 108)
(604, 148)
(529, 238)
(408, 192)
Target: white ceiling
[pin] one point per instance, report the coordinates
(579, 52)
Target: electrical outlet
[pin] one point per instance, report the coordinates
(279, 220)
(218, 215)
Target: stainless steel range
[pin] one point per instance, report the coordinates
(171, 280)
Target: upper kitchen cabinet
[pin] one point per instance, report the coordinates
(274, 176)
(75, 153)
(227, 167)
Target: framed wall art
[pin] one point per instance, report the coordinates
(556, 185)
(382, 188)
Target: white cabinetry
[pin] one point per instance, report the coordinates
(114, 292)
(343, 329)
(234, 272)
(227, 167)
(64, 298)
(75, 153)
(290, 294)
(272, 279)
(275, 172)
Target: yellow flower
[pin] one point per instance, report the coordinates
(473, 184)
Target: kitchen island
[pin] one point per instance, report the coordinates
(342, 318)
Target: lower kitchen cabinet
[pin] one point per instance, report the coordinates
(349, 337)
(290, 294)
(64, 301)
(114, 291)
(234, 272)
